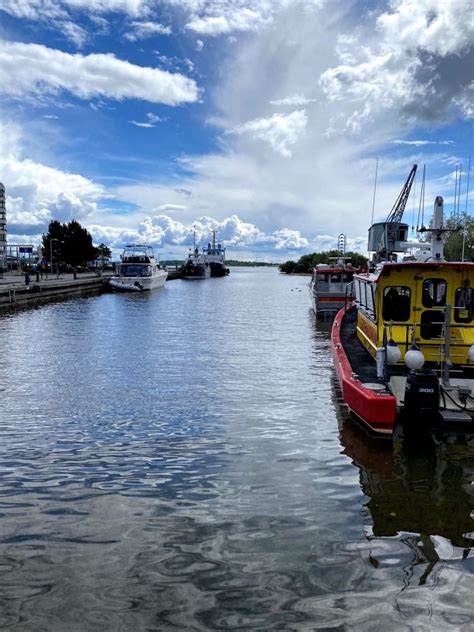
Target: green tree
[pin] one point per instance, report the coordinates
(306, 263)
(453, 244)
(71, 243)
(103, 252)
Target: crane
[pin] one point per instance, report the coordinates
(384, 237)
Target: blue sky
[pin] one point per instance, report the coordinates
(264, 119)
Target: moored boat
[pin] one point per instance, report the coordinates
(331, 285)
(214, 256)
(195, 267)
(138, 270)
(404, 349)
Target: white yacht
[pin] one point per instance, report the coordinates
(138, 270)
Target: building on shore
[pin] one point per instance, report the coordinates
(3, 229)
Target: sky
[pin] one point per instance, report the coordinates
(147, 119)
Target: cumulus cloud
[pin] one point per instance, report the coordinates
(35, 69)
(142, 30)
(419, 62)
(281, 131)
(37, 193)
(162, 231)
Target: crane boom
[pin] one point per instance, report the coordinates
(396, 214)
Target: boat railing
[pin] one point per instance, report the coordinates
(349, 295)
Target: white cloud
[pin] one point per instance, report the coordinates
(151, 121)
(417, 62)
(162, 231)
(239, 19)
(171, 207)
(281, 131)
(74, 33)
(295, 99)
(36, 193)
(38, 70)
(421, 143)
(40, 9)
(142, 30)
(199, 45)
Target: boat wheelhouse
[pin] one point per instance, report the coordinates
(404, 349)
(138, 270)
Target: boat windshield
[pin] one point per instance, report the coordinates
(135, 270)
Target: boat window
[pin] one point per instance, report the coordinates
(431, 324)
(396, 303)
(357, 291)
(434, 293)
(335, 277)
(347, 277)
(463, 304)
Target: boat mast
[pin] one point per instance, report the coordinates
(465, 210)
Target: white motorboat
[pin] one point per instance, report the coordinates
(138, 270)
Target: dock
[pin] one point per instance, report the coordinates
(15, 294)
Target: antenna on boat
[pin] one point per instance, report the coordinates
(421, 206)
(375, 189)
(465, 210)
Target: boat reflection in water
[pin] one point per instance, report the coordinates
(419, 488)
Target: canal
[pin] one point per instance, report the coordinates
(180, 460)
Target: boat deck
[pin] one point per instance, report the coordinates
(359, 358)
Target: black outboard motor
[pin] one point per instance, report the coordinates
(422, 394)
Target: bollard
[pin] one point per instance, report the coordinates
(37, 276)
(27, 278)
(75, 274)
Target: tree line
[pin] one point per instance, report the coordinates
(306, 263)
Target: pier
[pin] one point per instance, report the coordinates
(15, 293)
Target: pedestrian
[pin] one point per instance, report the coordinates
(27, 276)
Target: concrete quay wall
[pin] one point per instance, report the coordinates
(15, 294)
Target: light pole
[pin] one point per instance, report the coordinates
(51, 239)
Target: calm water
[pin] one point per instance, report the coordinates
(180, 460)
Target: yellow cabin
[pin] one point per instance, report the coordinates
(410, 301)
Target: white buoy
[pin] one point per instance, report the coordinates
(470, 354)
(414, 359)
(393, 352)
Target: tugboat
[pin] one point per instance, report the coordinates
(331, 285)
(138, 270)
(404, 348)
(214, 255)
(195, 266)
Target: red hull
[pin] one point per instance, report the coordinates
(377, 410)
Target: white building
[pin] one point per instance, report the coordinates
(3, 229)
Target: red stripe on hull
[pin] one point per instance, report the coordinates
(377, 410)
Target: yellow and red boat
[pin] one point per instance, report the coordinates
(404, 348)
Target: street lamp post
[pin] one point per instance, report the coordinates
(51, 239)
